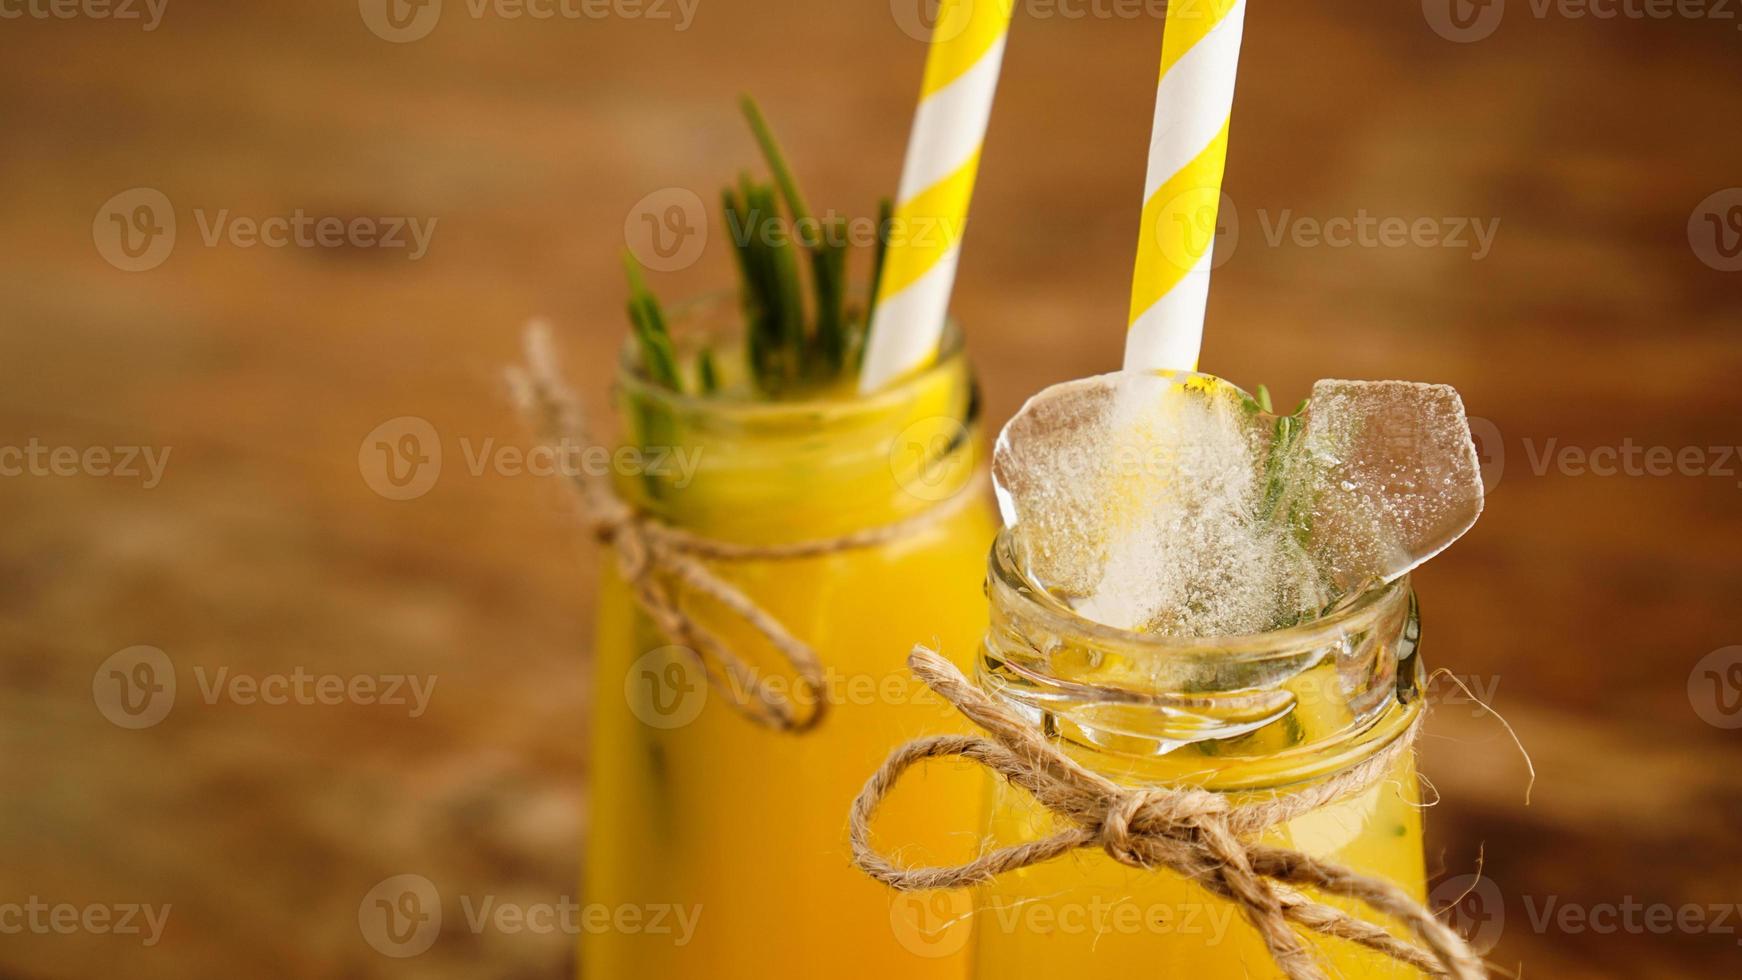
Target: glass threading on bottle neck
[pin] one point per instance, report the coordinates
(1256, 712)
(744, 468)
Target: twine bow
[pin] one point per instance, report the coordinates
(1194, 833)
(651, 555)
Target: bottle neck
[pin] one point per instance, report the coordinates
(766, 473)
(1240, 713)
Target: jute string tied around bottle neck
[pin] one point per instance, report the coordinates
(652, 556)
(1200, 835)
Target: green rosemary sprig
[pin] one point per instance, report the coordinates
(829, 272)
(707, 375)
(879, 256)
(801, 330)
(1279, 467)
(1279, 464)
(658, 355)
(776, 158)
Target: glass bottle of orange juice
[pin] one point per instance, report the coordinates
(717, 847)
(1247, 716)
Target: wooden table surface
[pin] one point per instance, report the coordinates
(1585, 606)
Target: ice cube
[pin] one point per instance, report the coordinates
(1171, 502)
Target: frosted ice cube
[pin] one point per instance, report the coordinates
(1172, 503)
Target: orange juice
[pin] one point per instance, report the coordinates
(732, 833)
(1248, 716)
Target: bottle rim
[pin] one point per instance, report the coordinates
(715, 317)
(1034, 603)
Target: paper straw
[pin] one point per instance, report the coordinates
(937, 183)
(1188, 154)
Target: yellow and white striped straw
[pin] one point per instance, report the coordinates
(937, 184)
(1188, 154)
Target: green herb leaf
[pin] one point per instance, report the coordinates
(797, 333)
(707, 376)
(658, 357)
(776, 158)
(879, 256)
(829, 275)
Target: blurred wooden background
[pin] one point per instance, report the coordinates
(1582, 604)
